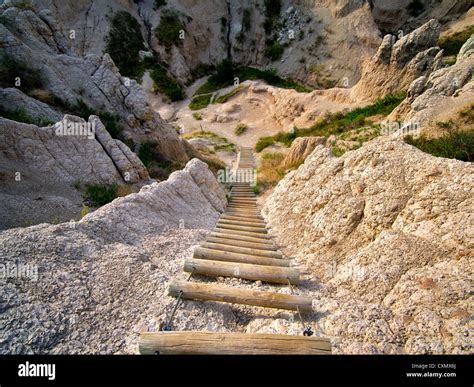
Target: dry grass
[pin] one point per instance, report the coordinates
(124, 190)
(270, 171)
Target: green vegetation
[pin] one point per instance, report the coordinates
(84, 210)
(240, 129)
(149, 154)
(336, 123)
(169, 29)
(415, 8)
(225, 97)
(452, 44)
(272, 12)
(99, 195)
(158, 167)
(204, 134)
(449, 61)
(197, 116)
(12, 70)
(200, 102)
(246, 24)
(21, 115)
(124, 42)
(81, 109)
(323, 77)
(222, 143)
(455, 145)
(201, 70)
(158, 4)
(167, 85)
(227, 71)
(274, 51)
(225, 147)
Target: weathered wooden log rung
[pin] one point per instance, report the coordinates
(228, 343)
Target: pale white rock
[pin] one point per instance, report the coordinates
(104, 279)
(386, 233)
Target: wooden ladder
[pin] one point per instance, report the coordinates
(238, 247)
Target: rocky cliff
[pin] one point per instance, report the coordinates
(384, 230)
(93, 285)
(35, 40)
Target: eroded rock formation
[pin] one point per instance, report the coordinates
(102, 280)
(386, 231)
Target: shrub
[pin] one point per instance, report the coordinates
(200, 102)
(99, 195)
(21, 115)
(240, 129)
(169, 29)
(272, 12)
(415, 8)
(197, 116)
(455, 145)
(123, 43)
(225, 147)
(158, 4)
(452, 44)
(274, 51)
(81, 109)
(227, 71)
(167, 85)
(264, 142)
(10, 69)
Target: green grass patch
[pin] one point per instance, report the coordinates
(21, 115)
(200, 102)
(99, 195)
(336, 123)
(169, 29)
(229, 147)
(455, 145)
(225, 97)
(240, 129)
(226, 72)
(123, 43)
(205, 134)
(167, 85)
(452, 44)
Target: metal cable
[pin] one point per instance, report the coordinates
(307, 331)
(167, 326)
